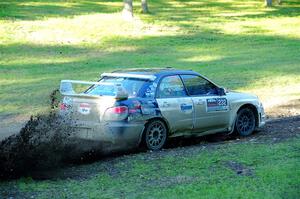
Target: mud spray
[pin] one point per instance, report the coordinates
(42, 144)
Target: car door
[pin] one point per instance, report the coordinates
(211, 109)
(175, 105)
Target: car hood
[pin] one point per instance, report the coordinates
(239, 95)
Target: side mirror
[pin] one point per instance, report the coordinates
(221, 91)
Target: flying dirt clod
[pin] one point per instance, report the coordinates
(40, 145)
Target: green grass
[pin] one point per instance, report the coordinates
(193, 172)
(239, 44)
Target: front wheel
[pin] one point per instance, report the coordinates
(245, 122)
(155, 135)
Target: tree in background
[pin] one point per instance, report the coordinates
(144, 4)
(268, 3)
(128, 9)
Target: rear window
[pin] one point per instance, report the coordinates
(131, 85)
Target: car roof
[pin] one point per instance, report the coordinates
(156, 71)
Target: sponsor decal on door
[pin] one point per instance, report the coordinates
(216, 104)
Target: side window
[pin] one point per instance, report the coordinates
(148, 90)
(197, 85)
(171, 86)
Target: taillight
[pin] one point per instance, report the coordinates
(63, 107)
(120, 109)
(116, 113)
(66, 104)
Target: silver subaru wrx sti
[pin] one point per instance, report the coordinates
(129, 107)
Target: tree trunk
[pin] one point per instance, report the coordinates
(144, 6)
(268, 3)
(128, 9)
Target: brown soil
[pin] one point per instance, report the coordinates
(274, 132)
(39, 145)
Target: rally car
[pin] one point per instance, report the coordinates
(130, 107)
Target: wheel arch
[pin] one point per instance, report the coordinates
(147, 122)
(253, 108)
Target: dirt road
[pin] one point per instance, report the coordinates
(275, 131)
(283, 123)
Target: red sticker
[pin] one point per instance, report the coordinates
(84, 108)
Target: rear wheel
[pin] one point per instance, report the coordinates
(245, 122)
(155, 135)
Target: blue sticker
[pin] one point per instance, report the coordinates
(216, 104)
(186, 107)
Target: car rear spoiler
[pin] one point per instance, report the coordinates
(66, 89)
(129, 75)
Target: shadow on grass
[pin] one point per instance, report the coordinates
(175, 11)
(183, 12)
(229, 59)
(33, 10)
(233, 61)
(253, 57)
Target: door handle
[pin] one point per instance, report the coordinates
(200, 102)
(182, 105)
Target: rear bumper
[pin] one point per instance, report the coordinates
(113, 135)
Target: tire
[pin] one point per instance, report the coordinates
(245, 122)
(155, 135)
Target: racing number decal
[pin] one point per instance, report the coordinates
(216, 104)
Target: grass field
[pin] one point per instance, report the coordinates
(240, 44)
(242, 169)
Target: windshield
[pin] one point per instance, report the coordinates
(131, 85)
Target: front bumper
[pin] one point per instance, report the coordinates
(262, 117)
